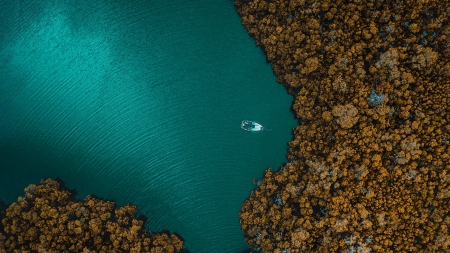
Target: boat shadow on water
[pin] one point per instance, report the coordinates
(253, 126)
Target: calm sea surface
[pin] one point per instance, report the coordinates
(141, 102)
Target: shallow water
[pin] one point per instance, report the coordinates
(140, 103)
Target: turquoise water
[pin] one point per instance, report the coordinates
(141, 103)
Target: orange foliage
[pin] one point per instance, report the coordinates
(370, 160)
(49, 219)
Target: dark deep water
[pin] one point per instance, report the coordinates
(140, 102)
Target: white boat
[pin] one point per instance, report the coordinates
(253, 126)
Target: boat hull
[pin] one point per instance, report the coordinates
(253, 126)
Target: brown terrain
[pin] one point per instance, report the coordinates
(369, 163)
(49, 219)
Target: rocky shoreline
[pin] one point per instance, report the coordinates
(369, 166)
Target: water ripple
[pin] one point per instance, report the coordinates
(141, 102)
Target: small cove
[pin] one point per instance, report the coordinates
(141, 103)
